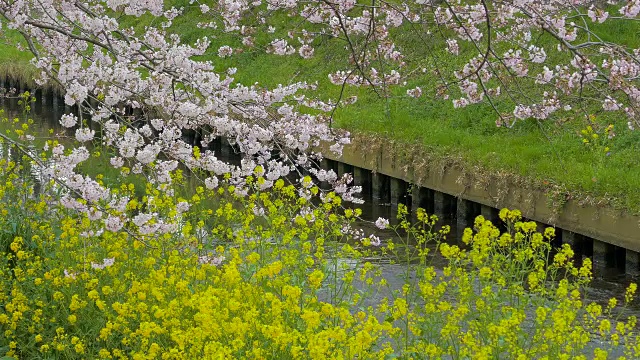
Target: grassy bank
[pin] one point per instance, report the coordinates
(15, 63)
(549, 152)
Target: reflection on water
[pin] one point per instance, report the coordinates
(46, 114)
(46, 118)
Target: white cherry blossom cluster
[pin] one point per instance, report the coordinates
(159, 106)
(477, 29)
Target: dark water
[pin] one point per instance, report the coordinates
(46, 117)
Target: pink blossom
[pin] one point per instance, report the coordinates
(415, 92)
(382, 223)
(113, 223)
(182, 206)
(117, 162)
(105, 264)
(211, 260)
(374, 240)
(84, 134)
(306, 51)
(68, 120)
(281, 47)
(211, 182)
(452, 46)
(225, 51)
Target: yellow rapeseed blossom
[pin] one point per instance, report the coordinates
(271, 276)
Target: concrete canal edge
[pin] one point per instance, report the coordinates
(396, 174)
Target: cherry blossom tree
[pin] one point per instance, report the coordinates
(146, 88)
